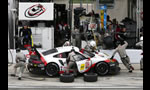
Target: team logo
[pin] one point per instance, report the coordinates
(34, 11)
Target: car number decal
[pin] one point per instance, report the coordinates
(82, 66)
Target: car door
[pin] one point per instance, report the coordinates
(83, 63)
(61, 57)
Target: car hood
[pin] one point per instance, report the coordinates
(100, 57)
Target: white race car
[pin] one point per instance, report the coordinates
(53, 62)
(102, 63)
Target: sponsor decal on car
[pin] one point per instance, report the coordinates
(82, 66)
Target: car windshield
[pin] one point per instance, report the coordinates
(88, 53)
(49, 51)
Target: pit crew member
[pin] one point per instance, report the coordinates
(121, 49)
(20, 62)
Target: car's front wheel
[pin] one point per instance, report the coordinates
(102, 68)
(52, 69)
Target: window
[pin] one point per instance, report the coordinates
(79, 57)
(61, 55)
(49, 52)
(88, 53)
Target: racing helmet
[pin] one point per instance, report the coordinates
(141, 38)
(67, 43)
(92, 43)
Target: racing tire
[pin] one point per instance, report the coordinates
(102, 68)
(52, 69)
(31, 70)
(90, 77)
(67, 77)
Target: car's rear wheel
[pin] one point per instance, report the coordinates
(52, 69)
(102, 68)
(30, 69)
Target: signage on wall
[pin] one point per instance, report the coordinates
(36, 11)
(103, 16)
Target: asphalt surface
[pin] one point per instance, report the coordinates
(121, 81)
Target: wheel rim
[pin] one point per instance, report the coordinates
(52, 69)
(102, 68)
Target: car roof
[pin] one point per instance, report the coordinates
(60, 50)
(67, 48)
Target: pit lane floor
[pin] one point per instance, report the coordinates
(122, 81)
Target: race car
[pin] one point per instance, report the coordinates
(53, 62)
(103, 65)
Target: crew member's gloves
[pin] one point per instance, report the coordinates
(112, 57)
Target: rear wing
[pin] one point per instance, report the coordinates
(32, 50)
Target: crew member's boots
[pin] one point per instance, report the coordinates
(12, 75)
(131, 69)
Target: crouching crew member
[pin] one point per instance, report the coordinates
(71, 62)
(20, 62)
